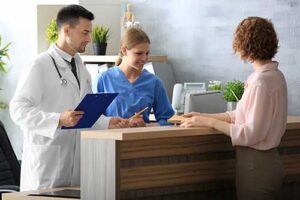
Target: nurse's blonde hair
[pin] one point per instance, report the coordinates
(132, 37)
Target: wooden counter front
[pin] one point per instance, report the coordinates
(169, 162)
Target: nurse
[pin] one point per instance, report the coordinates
(49, 89)
(137, 87)
(259, 121)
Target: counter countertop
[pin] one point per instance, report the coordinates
(113, 58)
(293, 122)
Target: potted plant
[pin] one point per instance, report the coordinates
(100, 35)
(52, 32)
(3, 54)
(232, 93)
(214, 85)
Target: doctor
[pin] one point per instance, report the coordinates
(41, 105)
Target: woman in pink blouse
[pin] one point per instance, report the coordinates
(259, 121)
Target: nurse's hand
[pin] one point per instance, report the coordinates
(137, 121)
(70, 118)
(118, 122)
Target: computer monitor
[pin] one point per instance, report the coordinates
(95, 71)
(165, 72)
(206, 102)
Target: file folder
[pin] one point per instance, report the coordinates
(93, 105)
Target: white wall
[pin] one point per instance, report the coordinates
(20, 30)
(107, 13)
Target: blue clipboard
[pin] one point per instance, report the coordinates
(93, 105)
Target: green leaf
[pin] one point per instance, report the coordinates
(233, 91)
(3, 54)
(5, 48)
(100, 34)
(2, 66)
(3, 105)
(52, 32)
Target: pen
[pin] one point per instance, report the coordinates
(140, 112)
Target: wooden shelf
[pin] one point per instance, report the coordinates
(91, 59)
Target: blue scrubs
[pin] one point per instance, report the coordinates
(147, 91)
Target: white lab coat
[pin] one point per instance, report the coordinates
(51, 156)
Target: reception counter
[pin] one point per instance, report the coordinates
(170, 163)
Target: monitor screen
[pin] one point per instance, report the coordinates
(209, 102)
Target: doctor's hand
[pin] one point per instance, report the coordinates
(118, 122)
(70, 118)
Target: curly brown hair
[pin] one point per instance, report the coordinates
(255, 39)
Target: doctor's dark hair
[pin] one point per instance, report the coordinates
(255, 39)
(132, 37)
(70, 15)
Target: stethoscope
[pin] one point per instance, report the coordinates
(63, 81)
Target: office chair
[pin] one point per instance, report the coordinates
(9, 165)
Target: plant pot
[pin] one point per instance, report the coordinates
(99, 48)
(231, 106)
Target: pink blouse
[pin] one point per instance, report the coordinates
(259, 120)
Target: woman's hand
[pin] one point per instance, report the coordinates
(195, 121)
(211, 122)
(191, 114)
